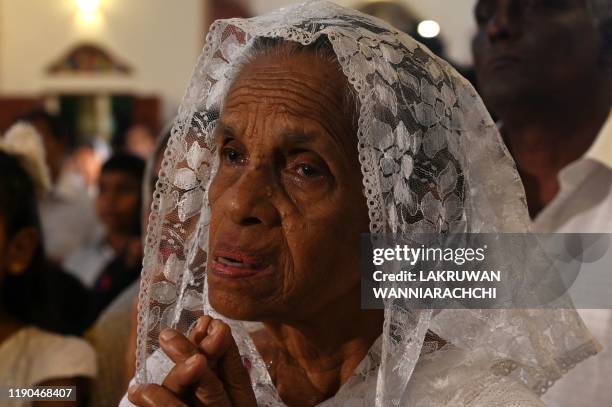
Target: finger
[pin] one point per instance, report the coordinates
(217, 341)
(199, 330)
(153, 395)
(184, 375)
(210, 390)
(220, 348)
(235, 376)
(176, 346)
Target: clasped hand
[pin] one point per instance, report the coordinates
(208, 370)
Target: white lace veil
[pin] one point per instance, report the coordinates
(431, 160)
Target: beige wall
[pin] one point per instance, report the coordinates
(158, 39)
(455, 18)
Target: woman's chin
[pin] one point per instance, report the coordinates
(234, 307)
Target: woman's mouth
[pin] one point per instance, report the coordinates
(237, 264)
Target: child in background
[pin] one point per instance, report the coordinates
(35, 299)
(114, 262)
(117, 353)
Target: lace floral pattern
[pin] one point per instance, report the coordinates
(431, 161)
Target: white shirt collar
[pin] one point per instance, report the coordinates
(601, 149)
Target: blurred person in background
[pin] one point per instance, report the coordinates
(113, 262)
(140, 141)
(67, 213)
(114, 333)
(544, 67)
(38, 302)
(88, 164)
(87, 161)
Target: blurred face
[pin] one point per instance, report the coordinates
(287, 202)
(118, 202)
(88, 164)
(530, 50)
(140, 142)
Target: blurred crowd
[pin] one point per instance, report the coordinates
(72, 246)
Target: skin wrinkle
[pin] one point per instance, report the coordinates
(290, 86)
(251, 117)
(276, 117)
(257, 162)
(292, 93)
(283, 108)
(321, 50)
(292, 135)
(256, 165)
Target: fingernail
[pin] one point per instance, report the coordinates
(168, 334)
(193, 359)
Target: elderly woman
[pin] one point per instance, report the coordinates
(301, 130)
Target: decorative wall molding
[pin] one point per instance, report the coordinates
(90, 59)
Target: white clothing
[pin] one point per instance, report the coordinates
(87, 262)
(111, 350)
(32, 356)
(479, 389)
(584, 205)
(68, 218)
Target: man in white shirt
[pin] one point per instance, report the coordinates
(544, 68)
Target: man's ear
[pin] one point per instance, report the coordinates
(21, 250)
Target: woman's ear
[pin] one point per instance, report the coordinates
(21, 250)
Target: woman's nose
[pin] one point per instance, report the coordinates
(250, 199)
(505, 24)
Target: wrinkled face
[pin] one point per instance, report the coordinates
(287, 202)
(118, 202)
(529, 50)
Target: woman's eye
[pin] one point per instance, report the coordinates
(308, 171)
(231, 155)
